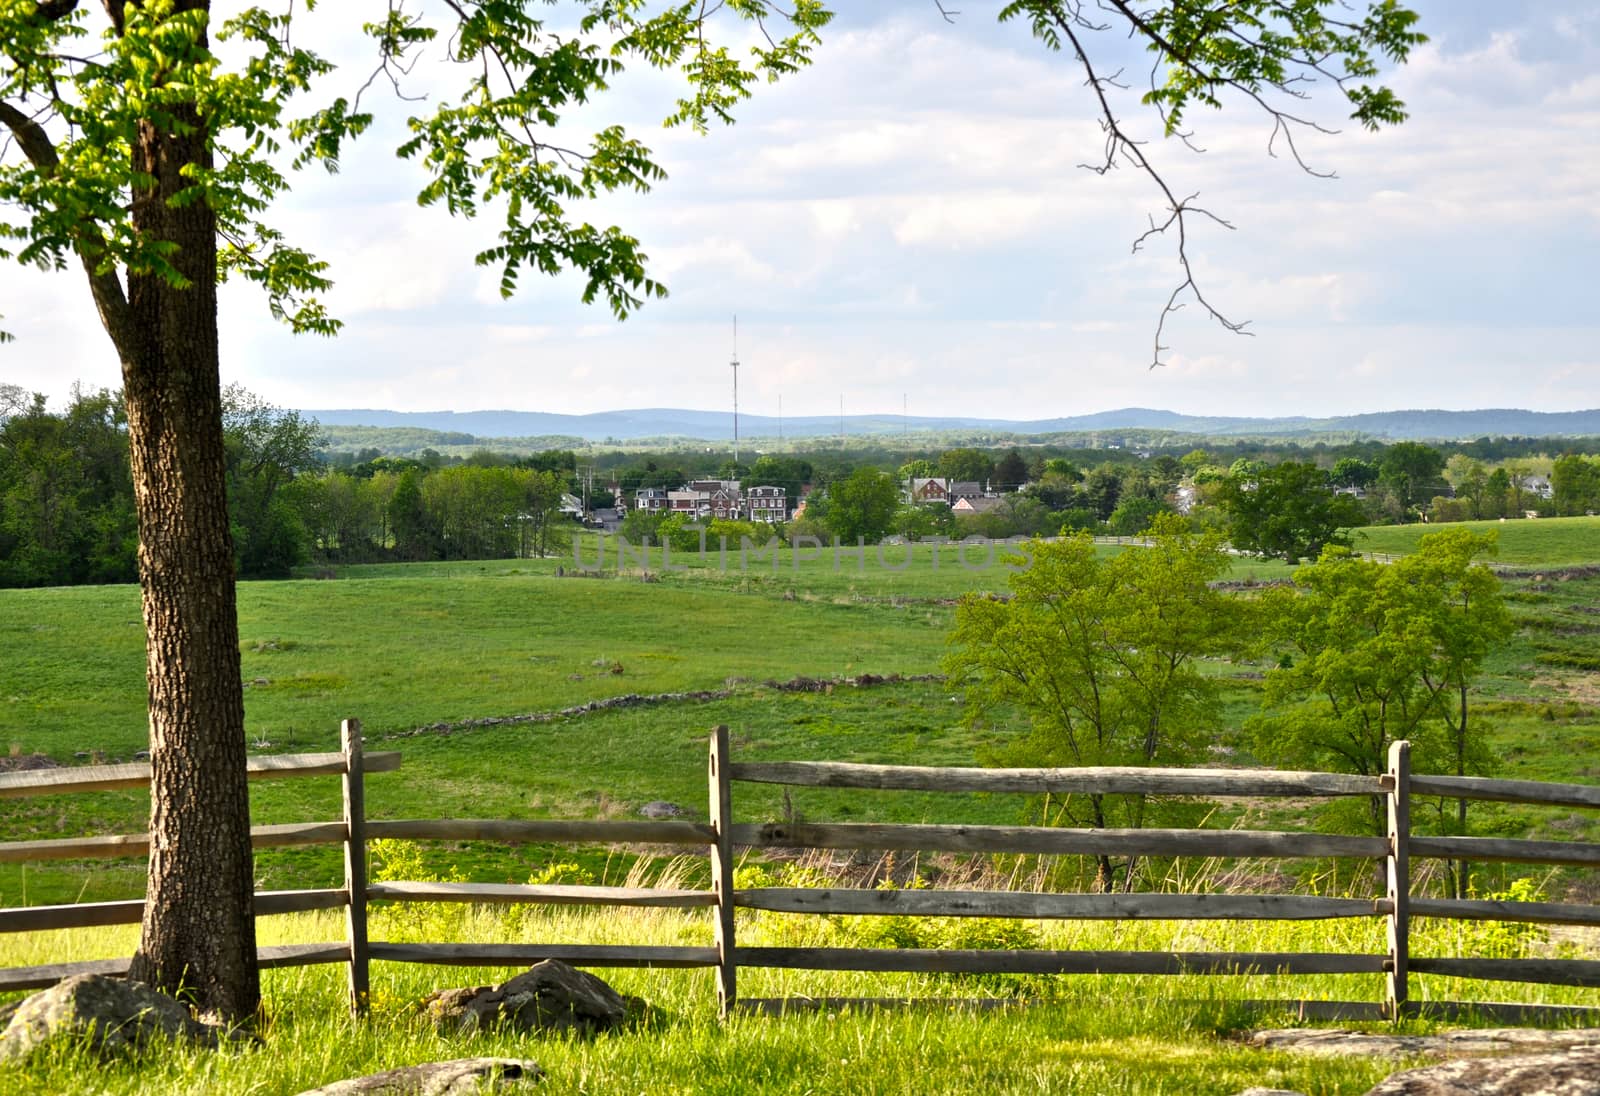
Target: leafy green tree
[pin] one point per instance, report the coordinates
(790, 473)
(1134, 515)
(861, 506)
(415, 537)
(66, 493)
(1100, 654)
(543, 529)
(265, 448)
(1287, 511)
(1467, 476)
(1412, 471)
(637, 525)
(1353, 472)
(1011, 473)
(1575, 485)
(966, 465)
(1102, 490)
(917, 469)
(1374, 652)
(154, 166)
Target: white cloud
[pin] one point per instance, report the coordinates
(910, 215)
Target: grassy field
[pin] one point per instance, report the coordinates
(1544, 542)
(421, 653)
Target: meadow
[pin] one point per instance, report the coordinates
(1543, 542)
(424, 654)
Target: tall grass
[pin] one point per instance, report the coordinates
(1088, 1034)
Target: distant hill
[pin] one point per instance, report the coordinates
(662, 423)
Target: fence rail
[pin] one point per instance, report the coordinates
(721, 835)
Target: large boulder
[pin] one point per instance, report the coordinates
(1560, 1073)
(109, 1014)
(549, 997)
(460, 1077)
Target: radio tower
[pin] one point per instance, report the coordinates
(735, 364)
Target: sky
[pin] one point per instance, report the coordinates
(906, 224)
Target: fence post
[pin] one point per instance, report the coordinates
(721, 811)
(1399, 877)
(355, 864)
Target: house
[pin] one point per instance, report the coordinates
(721, 498)
(1538, 485)
(652, 499)
(690, 503)
(928, 489)
(572, 506)
(766, 503)
(1184, 498)
(969, 489)
(979, 505)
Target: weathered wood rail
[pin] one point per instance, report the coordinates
(721, 836)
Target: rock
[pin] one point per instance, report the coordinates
(549, 997)
(110, 1014)
(660, 808)
(454, 1078)
(1337, 1042)
(1561, 1073)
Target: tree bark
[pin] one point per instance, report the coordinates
(198, 935)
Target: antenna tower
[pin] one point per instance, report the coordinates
(735, 364)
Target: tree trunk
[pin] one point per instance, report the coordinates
(199, 929)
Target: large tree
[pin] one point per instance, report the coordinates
(151, 164)
(1287, 511)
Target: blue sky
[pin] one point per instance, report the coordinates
(907, 219)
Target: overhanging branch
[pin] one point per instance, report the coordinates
(104, 285)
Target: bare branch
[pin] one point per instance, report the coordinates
(1120, 146)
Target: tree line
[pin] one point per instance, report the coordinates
(67, 513)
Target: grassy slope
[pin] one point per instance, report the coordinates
(1543, 542)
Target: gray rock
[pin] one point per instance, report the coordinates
(1338, 1042)
(1561, 1073)
(549, 997)
(110, 1014)
(459, 1077)
(660, 808)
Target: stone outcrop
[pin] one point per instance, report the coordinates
(549, 997)
(460, 1077)
(1573, 1072)
(1336, 1042)
(109, 1014)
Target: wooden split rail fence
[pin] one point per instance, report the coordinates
(722, 836)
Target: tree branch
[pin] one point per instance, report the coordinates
(1118, 143)
(104, 285)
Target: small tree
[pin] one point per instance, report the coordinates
(1100, 655)
(1373, 652)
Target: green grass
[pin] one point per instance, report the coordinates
(406, 647)
(1543, 542)
(404, 652)
(1087, 1034)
